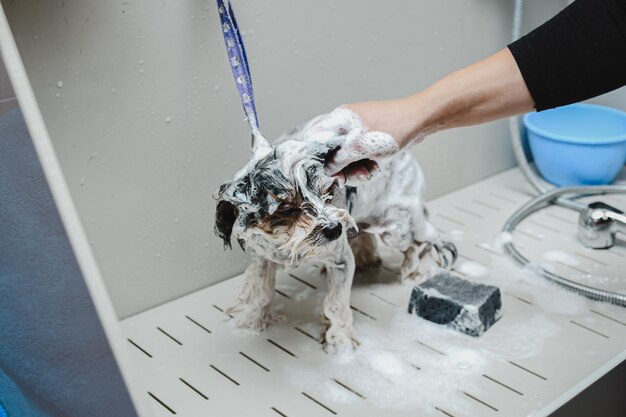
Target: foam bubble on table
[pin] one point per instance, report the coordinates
(560, 257)
(472, 269)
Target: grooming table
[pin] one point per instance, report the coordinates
(547, 347)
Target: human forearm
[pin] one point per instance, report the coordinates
(574, 56)
(487, 90)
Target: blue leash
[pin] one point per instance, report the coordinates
(239, 63)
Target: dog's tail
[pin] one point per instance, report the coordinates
(447, 253)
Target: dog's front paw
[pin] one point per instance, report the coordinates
(253, 320)
(427, 268)
(419, 263)
(337, 340)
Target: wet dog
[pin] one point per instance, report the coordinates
(284, 211)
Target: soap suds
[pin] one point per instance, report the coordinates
(412, 364)
(502, 239)
(358, 142)
(457, 235)
(386, 363)
(546, 295)
(472, 269)
(394, 371)
(560, 257)
(497, 246)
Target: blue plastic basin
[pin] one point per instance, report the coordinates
(579, 144)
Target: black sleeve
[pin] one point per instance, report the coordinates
(578, 54)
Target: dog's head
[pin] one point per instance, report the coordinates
(283, 200)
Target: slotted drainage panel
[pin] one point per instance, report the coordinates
(548, 345)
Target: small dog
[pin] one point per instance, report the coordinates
(285, 211)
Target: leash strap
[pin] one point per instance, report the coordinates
(238, 63)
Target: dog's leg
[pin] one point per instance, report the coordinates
(337, 313)
(252, 308)
(365, 253)
(418, 263)
(415, 237)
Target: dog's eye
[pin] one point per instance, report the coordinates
(290, 211)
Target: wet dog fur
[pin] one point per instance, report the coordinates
(284, 211)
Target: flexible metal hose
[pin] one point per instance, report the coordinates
(541, 202)
(550, 196)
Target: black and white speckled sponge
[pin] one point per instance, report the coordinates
(447, 299)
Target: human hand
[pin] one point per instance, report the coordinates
(354, 160)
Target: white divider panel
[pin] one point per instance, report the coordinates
(547, 347)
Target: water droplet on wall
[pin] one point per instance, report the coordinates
(60, 84)
(168, 119)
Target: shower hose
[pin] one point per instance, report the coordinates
(547, 196)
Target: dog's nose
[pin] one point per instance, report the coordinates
(332, 231)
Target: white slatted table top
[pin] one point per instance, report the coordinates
(547, 347)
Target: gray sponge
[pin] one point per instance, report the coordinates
(447, 299)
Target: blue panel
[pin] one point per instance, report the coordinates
(55, 359)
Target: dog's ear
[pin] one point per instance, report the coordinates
(260, 147)
(229, 196)
(225, 215)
